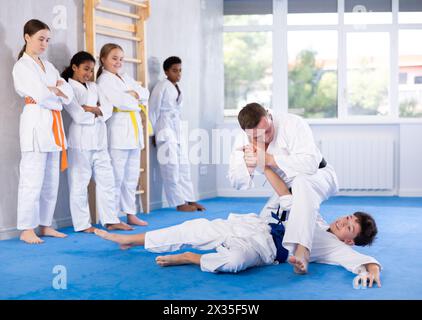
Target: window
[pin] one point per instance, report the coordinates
(325, 58)
(402, 78)
(312, 77)
(247, 69)
(360, 12)
(410, 11)
(247, 47)
(368, 62)
(248, 20)
(248, 12)
(311, 12)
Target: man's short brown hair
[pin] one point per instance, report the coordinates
(251, 115)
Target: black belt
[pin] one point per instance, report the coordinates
(322, 164)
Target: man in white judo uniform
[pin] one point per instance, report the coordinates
(248, 240)
(285, 143)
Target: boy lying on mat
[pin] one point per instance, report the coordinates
(248, 240)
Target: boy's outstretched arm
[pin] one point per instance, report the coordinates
(276, 182)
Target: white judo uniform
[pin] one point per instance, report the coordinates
(165, 107)
(88, 157)
(125, 135)
(244, 240)
(298, 158)
(41, 140)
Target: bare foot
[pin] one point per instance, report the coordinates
(133, 219)
(89, 230)
(122, 240)
(300, 265)
(50, 232)
(173, 259)
(30, 237)
(198, 206)
(118, 226)
(186, 208)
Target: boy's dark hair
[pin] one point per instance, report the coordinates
(251, 115)
(368, 229)
(171, 61)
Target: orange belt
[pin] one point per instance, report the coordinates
(57, 131)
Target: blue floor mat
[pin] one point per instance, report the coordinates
(97, 269)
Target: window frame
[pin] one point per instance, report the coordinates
(280, 29)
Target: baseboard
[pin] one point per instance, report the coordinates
(208, 195)
(155, 205)
(63, 223)
(158, 205)
(410, 193)
(386, 193)
(10, 233)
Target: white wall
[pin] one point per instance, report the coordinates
(190, 29)
(64, 43)
(410, 160)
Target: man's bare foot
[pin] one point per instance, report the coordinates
(123, 240)
(198, 206)
(30, 237)
(118, 226)
(133, 219)
(186, 208)
(175, 259)
(300, 265)
(50, 232)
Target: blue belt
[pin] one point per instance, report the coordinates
(277, 232)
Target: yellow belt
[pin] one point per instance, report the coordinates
(133, 118)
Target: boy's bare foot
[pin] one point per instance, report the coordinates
(133, 219)
(300, 265)
(186, 208)
(89, 230)
(174, 259)
(50, 232)
(30, 237)
(118, 226)
(122, 240)
(198, 206)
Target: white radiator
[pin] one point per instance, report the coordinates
(361, 164)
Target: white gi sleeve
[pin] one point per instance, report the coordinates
(27, 85)
(106, 106)
(78, 114)
(118, 98)
(304, 156)
(238, 174)
(142, 92)
(65, 87)
(347, 257)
